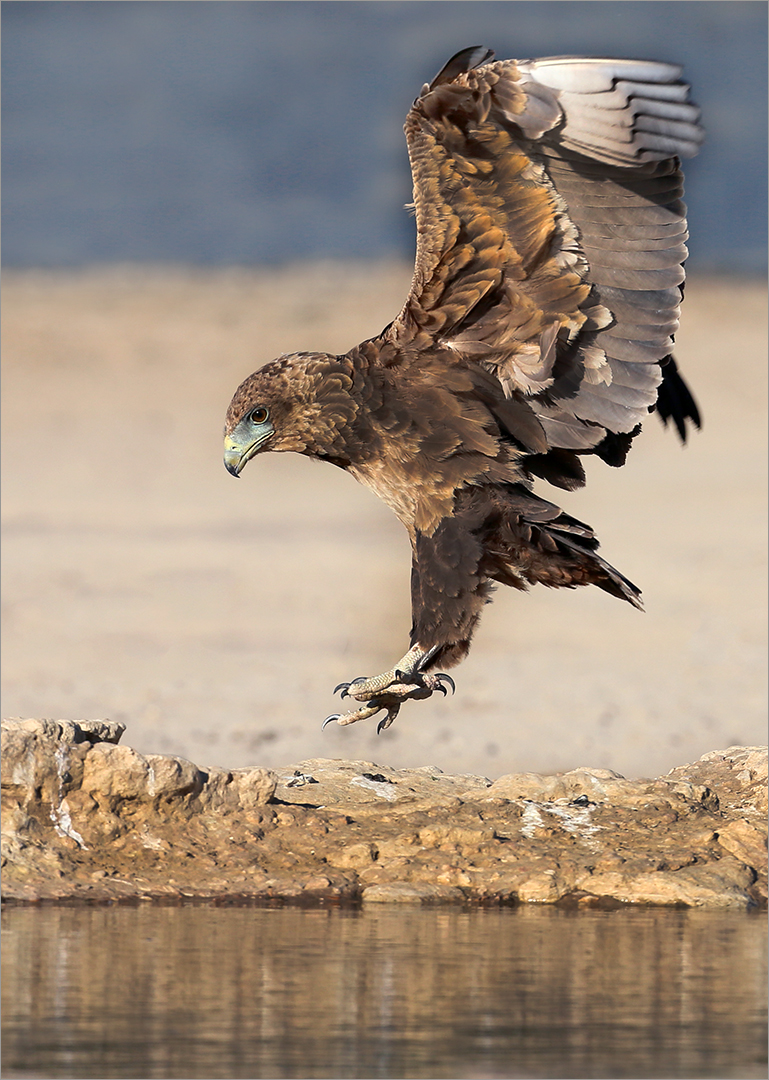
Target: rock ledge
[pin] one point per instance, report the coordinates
(85, 818)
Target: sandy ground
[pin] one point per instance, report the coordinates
(143, 584)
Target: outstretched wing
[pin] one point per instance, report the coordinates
(550, 232)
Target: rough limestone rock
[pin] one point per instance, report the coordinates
(86, 818)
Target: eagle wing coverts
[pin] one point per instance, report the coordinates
(551, 232)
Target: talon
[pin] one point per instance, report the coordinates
(447, 678)
(345, 686)
(329, 719)
(383, 724)
(405, 681)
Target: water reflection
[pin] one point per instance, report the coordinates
(384, 992)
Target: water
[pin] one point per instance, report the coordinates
(204, 991)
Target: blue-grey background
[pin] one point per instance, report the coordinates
(257, 132)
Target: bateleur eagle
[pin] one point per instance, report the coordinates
(538, 330)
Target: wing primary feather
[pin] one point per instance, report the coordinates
(675, 401)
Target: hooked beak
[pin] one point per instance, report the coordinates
(236, 454)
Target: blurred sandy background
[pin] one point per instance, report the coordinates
(143, 584)
(214, 617)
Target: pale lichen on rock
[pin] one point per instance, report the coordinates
(86, 818)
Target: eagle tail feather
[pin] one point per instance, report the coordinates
(600, 572)
(535, 543)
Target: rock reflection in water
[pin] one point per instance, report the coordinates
(384, 992)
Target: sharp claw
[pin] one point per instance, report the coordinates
(383, 724)
(345, 686)
(442, 689)
(447, 678)
(329, 720)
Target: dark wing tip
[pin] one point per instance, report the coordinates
(675, 401)
(465, 60)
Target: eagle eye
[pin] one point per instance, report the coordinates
(258, 415)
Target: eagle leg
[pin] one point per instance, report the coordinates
(403, 682)
(405, 671)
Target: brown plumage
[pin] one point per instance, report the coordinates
(538, 329)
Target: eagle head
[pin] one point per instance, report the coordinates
(299, 402)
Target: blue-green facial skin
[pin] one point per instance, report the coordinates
(245, 440)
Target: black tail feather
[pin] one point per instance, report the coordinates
(604, 575)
